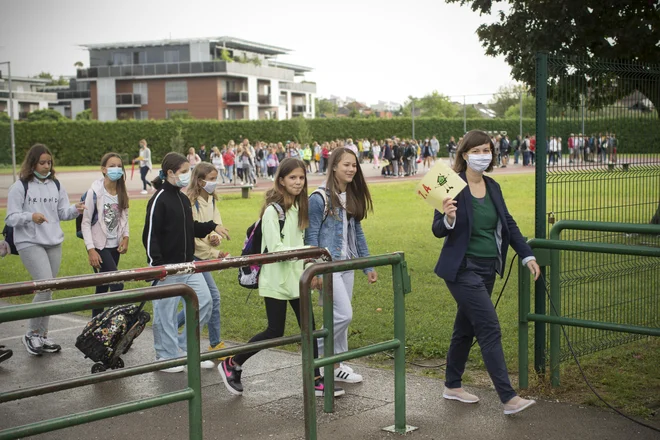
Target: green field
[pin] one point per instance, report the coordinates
(401, 222)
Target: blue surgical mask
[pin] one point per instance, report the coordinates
(183, 180)
(115, 173)
(479, 162)
(41, 176)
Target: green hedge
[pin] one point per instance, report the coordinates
(84, 142)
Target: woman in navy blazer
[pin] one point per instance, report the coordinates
(478, 230)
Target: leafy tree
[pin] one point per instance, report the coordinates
(4, 117)
(433, 105)
(324, 107)
(505, 97)
(47, 114)
(224, 56)
(590, 29)
(470, 112)
(85, 115)
(61, 81)
(303, 133)
(177, 142)
(78, 65)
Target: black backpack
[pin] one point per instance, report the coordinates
(8, 231)
(95, 216)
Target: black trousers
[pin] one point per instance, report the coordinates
(143, 176)
(109, 263)
(476, 316)
(276, 314)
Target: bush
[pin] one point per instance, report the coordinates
(84, 142)
(45, 115)
(85, 115)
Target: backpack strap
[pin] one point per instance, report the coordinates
(281, 216)
(324, 196)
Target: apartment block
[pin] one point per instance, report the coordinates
(27, 96)
(219, 78)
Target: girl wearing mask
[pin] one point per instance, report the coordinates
(36, 204)
(169, 238)
(107, 238)
(478, 230)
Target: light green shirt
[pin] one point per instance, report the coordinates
(280, 280)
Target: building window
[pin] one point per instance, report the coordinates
(231, 114)
(140, 57)
(142, 90)
(141, 115)
(176, 91)
(172, 56)
(120, 58)
(170, 113)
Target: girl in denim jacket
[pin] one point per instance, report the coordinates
(335, 212)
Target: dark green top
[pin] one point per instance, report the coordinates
(482, 241)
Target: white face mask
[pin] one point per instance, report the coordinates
(210, 187)
(479, 162)
(183, 180)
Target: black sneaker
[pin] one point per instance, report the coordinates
(319, 388)
(5, 353)
(231, 376)
(49, 346)
(32, 345)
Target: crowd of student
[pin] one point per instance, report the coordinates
(183, 224)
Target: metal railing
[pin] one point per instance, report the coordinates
(401, 281)
(130, 99)
(236, 97)
(265, 100)
(13, 313)
(548, 254)
(299, 108)
(192, 393)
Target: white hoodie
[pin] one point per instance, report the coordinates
(42, 197)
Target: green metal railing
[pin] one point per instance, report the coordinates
(401, 282)
(192, 393)
(548, 254)
(608, 112)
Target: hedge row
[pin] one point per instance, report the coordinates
(84, 142)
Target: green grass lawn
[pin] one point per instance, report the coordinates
(401, 222)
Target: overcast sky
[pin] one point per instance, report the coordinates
(369, 50)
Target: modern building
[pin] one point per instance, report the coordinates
(219, 78)
(72, 99)
(26, 95)
(386, 106)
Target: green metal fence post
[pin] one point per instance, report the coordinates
(309, 400)
(555, 310)
(194, 371)
(541, 204)
(400, 351)
(328, 343)
(523, 325)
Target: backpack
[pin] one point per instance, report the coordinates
(248, 276)
(409, 152)
(324, 196)
(8, 231)
(95, 216)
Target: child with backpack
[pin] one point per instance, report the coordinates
(36, 204)
(283, 222)
(168, 237)
(104, 224)
(336, 210)
(201, 193)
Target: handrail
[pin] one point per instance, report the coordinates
(581, 225)
(401, 283)
(159, 272)
(192, 393)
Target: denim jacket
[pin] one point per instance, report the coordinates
(327, 233)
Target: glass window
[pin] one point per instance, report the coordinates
(176, 91)
(172, 55)
(143, 90)
(141, 115)
(120, 58)
(140, 57)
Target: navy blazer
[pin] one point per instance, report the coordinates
(458, 238)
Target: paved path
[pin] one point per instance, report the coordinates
(271, 407)
(78, 182)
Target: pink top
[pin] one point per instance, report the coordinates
(193, 159)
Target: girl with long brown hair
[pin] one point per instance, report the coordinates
(104, 224)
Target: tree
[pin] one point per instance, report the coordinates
(505, 97)
(325, 108)
(529, 108)
(85, 115)
(470, 112)
(47, 114)
(433, 105)
(78, 65)
(62, 81)
(589, 29)
(4, 117)
(177, 142)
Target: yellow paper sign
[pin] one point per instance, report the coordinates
(438, 184)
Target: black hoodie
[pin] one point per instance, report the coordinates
(169, 230)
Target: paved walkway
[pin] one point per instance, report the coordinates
(78, 182)
(271, 406)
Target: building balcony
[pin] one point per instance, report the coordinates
(29, 96)
(240, 98)
(302, 87)
(197, 68)
(124, 100)
(73, 94)
(265, 100)
(283, 100)
(296, 109)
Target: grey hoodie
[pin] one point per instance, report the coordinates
(42, 197)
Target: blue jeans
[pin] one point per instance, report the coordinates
(229, 169)
(214, 321)
(167, 340)
(476, 316)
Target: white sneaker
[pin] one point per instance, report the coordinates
(178, 369)
(207, 365)
(144, 191)
(343, 375)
